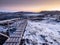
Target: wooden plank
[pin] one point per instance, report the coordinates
(18, 33)
(15, 35)
(10, 43)
(12, 40)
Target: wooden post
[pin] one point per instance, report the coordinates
(16, 23)
(8, 27)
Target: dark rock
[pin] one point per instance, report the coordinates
(42, 36)
(44, 44)
(51, 42)
(27, 40)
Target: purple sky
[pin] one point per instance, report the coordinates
(29, 5)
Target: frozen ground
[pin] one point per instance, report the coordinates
(46, 32)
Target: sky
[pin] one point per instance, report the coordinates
(29, 5)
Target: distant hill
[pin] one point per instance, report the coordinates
(50, 12)
(10, 15)
(4, 16)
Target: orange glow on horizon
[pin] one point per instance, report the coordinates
(35, 8)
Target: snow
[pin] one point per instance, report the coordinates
(42, 32)
(11, 26)
(2, 28)
(45, 32)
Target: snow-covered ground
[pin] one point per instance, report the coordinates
(46, 32)
(3, 28)
(12, 27)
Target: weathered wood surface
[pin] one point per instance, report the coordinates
(16, 37)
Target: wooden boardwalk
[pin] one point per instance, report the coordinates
(16, 37)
